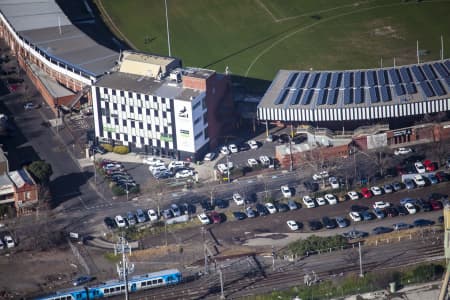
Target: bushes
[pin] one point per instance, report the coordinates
(314, 243)
(117, 190)
(107, 147)
(121, 149)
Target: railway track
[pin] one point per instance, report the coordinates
(261, 279)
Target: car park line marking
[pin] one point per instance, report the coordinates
(249, 181)
(274, 176)
(82, 202)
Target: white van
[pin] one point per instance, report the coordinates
(9, 241)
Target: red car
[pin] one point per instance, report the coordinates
(366, 192)
(441, 176)
(215, 217)
(429, 165)
(436, 205)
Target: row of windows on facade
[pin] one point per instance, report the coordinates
(126, 138)
(105, 101)
(132, 124)
(107, 112)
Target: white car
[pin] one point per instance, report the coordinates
(152, 215)
(331, 199)
(156, 165)
(321, 175)
(203, 219)
(376, 190)
(271, 208)
(224, 150)
(321, 201)
(355, 216)
(292, 225)
(237, 198)
(286, 191)
(224, 168)
(9, 241)
(333, 182)
(353, 195)
(420, 167)
(411, 208)
(309, 202)
(210, 156)
(176, 164)
(120, 221)
(402, 151)
(418, 180)
(252, 162)
(184, 174)
(151, 160)
(381, 204)
(253, 144)
(233, 148)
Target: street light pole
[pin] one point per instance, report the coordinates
(361, 274)
(126, 185)
(228, 170)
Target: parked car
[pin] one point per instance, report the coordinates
(403, 201)
(418, 180)
(30, 105)
(237, 198)
(120, 221)
(376, 190)
(410, 208)
(292, 205)
(420, 168)
(185, 173)
(203, 219)
(252, 162)
(433, 179)
(353, 195)
(401, 226)
(166, 214)
(215, 217)
(381, 204)
(292, 225)
(311, 186)
(381, 230)
(286, 191)
(152, 215)
(333, 182)
(355, 216)
(366, 192)
(409, 184)
(250, 212)
(271, 208)
(342, 222)
(331, 199)
(140, 216)
(442, 176)
(320, 175)
(391, 211)
(315, 225)
(429, 165)
(309, 202)
(97, 149)
(206, 205)
(397, 186)
(329, 223)
(9, 242)
(131, 218)
(354, 234)
(402, 151)
(265, 160)
(358, 208)
(210, 156)
(253, 144)
(239, 215)
(424, 205)
(436, 205)
(402, 211)
(224, 150)
(366, 215)
(220, 203)
(321, 201)
(379, 213)
(388, 188)
(422, 223)
(151, 160)
(243, 147)
(262, 210)
(233, 148)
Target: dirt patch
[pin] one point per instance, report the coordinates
(275, 236)
(387, 31)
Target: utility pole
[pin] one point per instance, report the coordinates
(273, 258)
(124, 268)
(167, 28)
(95, 168)
(222, 295)
(228, 170)
(361, 274)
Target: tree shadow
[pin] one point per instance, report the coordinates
(67, 187)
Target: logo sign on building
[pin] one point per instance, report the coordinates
(376, 141)
(183, 113)
(184, 126)
(402, 132)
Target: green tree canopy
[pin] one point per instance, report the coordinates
(41, 171)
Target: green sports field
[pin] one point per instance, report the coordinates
(255, 38)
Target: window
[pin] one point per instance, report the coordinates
(199, 135)
(155, 99)
(108, 120)
(144, 283)
(125, 137)
(113, 92)
(133, 138)
(154, 281)
(139, 110)
(131, 109)
(157, 128)
(130, 95)
(115, 106)
(205, 132)
(132, 124)
(123, 107)
(196, 105)
(149, 126)
(204, 102)
(122, 94)
(117, 289)
(197, 120)
(141, 125)
(116, 121)
(163, 100)
(139, 96)
(155, 113)
(122, 287)
(106, 291)
(205, 118)
(164, 114)
(124, 122)
(147, 111)
(160, 280)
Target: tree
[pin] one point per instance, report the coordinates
(41, 171)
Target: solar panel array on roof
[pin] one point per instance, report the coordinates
(441, 69)
(399, 90)
(348, 79)
(426, 89)
(281, 97)
(385, 93)
(371, 78)
(302, 80)
(447, 64)
(381, 77)
(359, 95)
(291, 79)
(313, 81)
(324, 80)
(373, 95)
(406, 76)
(295, 98)
(417, 73)
(428, 72)
(306, 99)
(348, 96)
(411, 88)
(335, 80)
(437, 87)
(332, 97)
(358, 79)
(322, 97)
(393, 74)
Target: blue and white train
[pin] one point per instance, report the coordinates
(117, 287)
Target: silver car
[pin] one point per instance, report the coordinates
(140, 216)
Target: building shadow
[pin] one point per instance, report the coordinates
(67, 187)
